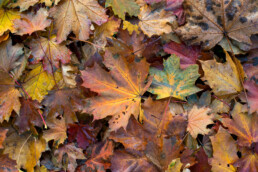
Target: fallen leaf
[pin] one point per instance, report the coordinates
(173, 81)
(252, 95)
(29, 115)
(7, 164)
(64, 102)
(2, 137)
(100, 157)
(188, 54)
(248, 161)
(73, 154)
(50, 52)
(155, 23)
(130, 27)
(25, 149)
(38, 82)
(120, 89)
(57, 131)
(175, 165)
(242, 125)
(202, 165)
(76, 16)
(121, 7)
(7, 17)
(209, 21)
(223, 78)
(224, 152)
(198, 119)
(23, 4)
(83, 133)
(123, 161)
(69, 73)
(31, 22)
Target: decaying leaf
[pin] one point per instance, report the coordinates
(252, 95)
(50, 52)
(38, 82)
(208, 21)
(243, 125)
(2, 137)
(76, 16)
(248, 161)
(198, 119)
(7, 164)
(25, 149)
(223, 78)
(120, 7)
(29, 23)
(120, 89)
(224, 152)
(173, 81)
(155, 23)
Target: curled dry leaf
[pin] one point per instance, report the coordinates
(120, 89)
(173, 81)
(198, 119)
(155, 23)
(76, 16)
(121, 7)
(209, 21)
(224, 152)
(29, 23)
(25, 149)
(50, 52)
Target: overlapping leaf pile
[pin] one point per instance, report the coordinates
(129, 85)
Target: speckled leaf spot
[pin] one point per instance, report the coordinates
(173, 81)
(208, 21)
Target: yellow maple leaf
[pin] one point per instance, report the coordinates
(130, 27)
(6, 20)
(38, 82)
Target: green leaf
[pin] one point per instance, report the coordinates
(173, 81)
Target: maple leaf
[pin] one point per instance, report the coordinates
(120, 89)
(223, 78)
(224, 152)
(252, 95)
(12, 63)
(209, 21)
(50, 52)
(57, 131)
(177, 7)
(64, 102)
(188, 54)
(38, 82)
(100, 157)
(248, 160)
(30, 23)
(84, 134)
(173, 81)
(7, 17)
(242, 125)
(7, 164)
(198, 119)
(76, 16)
(25, 149)
(155, 23)
(29, 115)
(23, 4)
(2, 136)
(123, 161)
(72, 152)
(120, 7)
(202, 165)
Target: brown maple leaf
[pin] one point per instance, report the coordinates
(29, 115)
(64, 102)
(76, 16)
(120, 89)
(208, 21)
